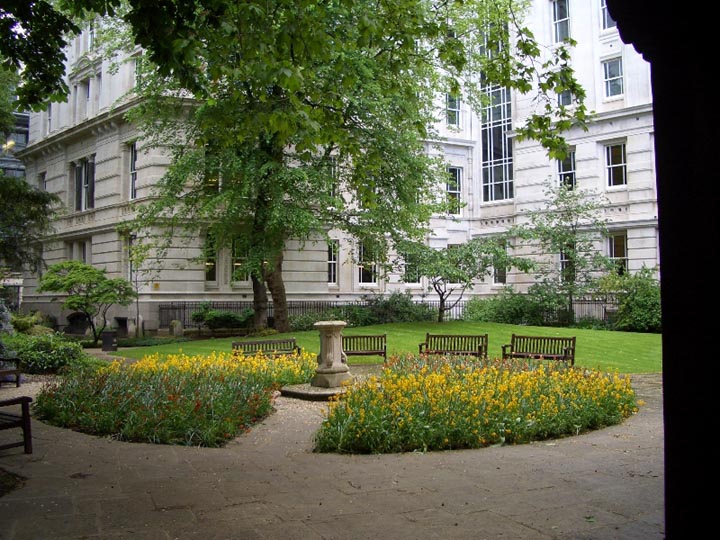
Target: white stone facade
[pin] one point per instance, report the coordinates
(90, 128)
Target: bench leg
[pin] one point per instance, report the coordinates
(27, 431)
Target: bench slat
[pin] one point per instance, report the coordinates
(365, 345)
(455, 344)
(549, 347)
(273, 347)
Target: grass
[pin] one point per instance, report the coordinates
(626, 352)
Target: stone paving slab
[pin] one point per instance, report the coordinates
(268, 484)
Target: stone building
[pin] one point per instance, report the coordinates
(85, 151)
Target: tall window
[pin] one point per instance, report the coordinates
(453, 190)
(452, 110)
(238, 260)
(367, 267)
(48, 118)
(613, 77)
(617, 251)
(131, 238)
(84, 174)
(561, 20)
(607, 20)
(568, 272)
(500, 270)
(411, 269)
(566, 170)
(616, 165)
(210, 258)
(132, 166)
(333, 248)
(497, 159)
(42, 181)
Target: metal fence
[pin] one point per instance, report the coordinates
(599, 309)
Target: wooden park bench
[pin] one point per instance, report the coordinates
(10, 366)
(269, 347)
(547, 348)
(455, 345)
(22, 421)
(365, 345)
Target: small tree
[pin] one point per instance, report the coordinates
(453, 269)
(562, 236)
(89, 291)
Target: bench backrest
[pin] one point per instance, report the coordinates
(545, 345)
(365, 345)
(456, 343)
(266, 346)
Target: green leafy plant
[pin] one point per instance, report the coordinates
(87, 290)
(46, 353)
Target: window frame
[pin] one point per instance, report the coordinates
(453, 108)
(83, 174)
(607, 22)
(563, 174)
(372, 274)
(612, 167)
(333, 255)
(561, 21)
(610, 80)
(620, 262)
(132, 170)
(455, 180)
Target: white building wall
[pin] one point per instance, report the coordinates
(91, 123)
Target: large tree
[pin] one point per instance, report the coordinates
(284, 102)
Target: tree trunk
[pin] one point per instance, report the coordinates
(260, 303)
(441, 309)
(276, 284)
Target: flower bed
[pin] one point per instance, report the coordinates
(440, 404)
(181, 399)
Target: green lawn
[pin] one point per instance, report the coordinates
(624, 351)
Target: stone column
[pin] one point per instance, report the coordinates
(332, 368)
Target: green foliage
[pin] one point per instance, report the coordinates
(397, 307)
(306, 321)
(453, 269)
(46, 353)
(421, 404)
(23, 223)
(88, 290)
(185, 400)
(507, 307)
(638, 296)
(227, 319)
(36, 322)
(566, 228)
(215, 318)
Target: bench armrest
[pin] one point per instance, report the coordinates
(15, 401)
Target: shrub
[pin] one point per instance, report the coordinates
(198, 400)
(398, 307)
(507, 307)
(446, 403)
(301, 323)
(45, 353)
(638, 297)
(215, 318)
